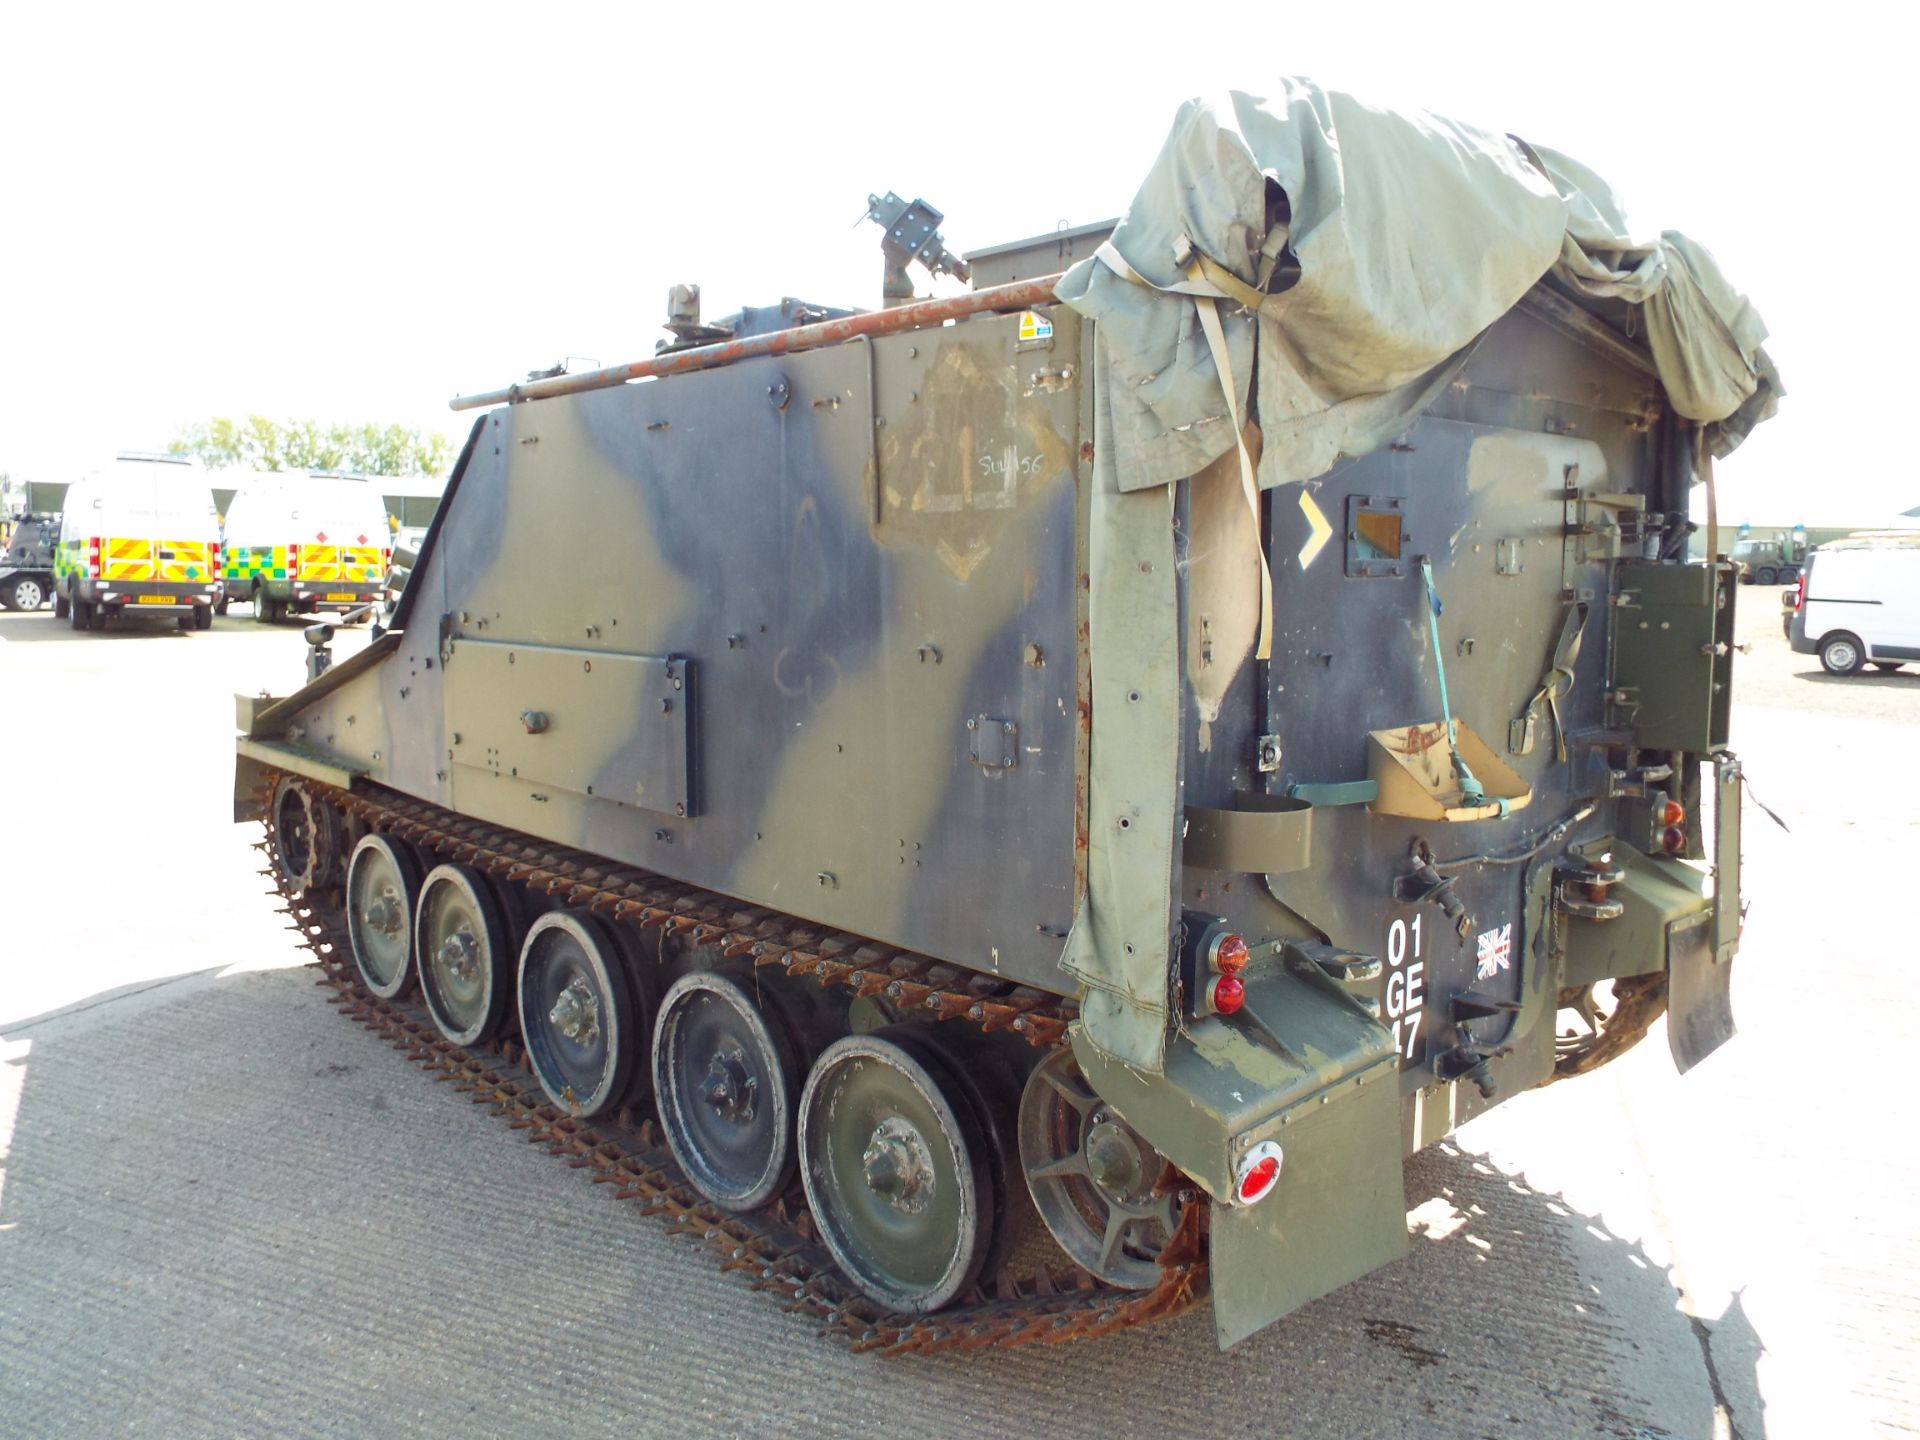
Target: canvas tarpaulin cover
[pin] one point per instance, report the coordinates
(1359, 253)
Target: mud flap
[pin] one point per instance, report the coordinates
(1339, 1211)
(1303, 1066)
(1700, 948)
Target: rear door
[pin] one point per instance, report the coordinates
(183, 529)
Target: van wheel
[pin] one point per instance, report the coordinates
(78, 618)
(1842, 654)
(203, 617)
(262, 608)
(96, 616)
(61, 607)
(220, 605)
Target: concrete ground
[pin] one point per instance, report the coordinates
(224, 1211)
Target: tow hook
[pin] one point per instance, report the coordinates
(1464, 1062)
(1424, 883)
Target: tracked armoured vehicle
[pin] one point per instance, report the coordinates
(1006, 815)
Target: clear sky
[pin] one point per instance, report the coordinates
(353, 212)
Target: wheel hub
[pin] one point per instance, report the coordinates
(729, 1087)
(576, 1013)
(898, 1164)
(1113, 1160)
(457, 956)
(384, 913)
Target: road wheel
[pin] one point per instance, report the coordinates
(383, 894)
(725, 1077)
(26, 593)
(1766, 575)
(220, 605)
(77, 616)
(1842, 654)
(894, 1155)
(1093, 1179)
(1790, 575)
(262, 607)
(62, 607)
(578, 1013)
(203, 617)
(466, 973)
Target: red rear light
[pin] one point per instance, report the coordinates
(1800, 590)
(1227, 994)
(1673, 813)
(1257, 1173)
(93, 557)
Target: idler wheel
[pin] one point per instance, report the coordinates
(383, 893)
(307, 839)
(724, 1079)
(466, 974)
(579, 1014)
(1092, 1177)
(895, 1158)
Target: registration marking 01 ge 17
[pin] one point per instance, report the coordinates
(1406, 986)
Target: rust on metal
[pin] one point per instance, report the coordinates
(919, 315)
(775, 1248)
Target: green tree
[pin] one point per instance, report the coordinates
(260, 443)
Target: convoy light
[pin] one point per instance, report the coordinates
(1257, 1173)
(1227, 994)
(1674, 839)
(1672, 812)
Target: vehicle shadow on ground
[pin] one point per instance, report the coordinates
(1512, 1313)
(177, 1180)
(1897, 679)
(40, 626)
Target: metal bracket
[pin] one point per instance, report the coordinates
(993, 744)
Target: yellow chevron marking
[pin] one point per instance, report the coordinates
(1318, 530)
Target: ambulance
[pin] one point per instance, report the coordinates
(138, 537)
(305, 542)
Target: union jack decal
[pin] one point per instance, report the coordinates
(1496, 951)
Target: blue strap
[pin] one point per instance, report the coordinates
(1471, 790)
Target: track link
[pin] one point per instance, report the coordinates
(774, 1248)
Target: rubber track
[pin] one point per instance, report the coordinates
(773, 1248)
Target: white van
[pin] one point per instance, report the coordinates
(304, 542)
(138, 536)
(1859, 605)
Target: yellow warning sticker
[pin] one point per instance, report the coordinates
(1034, 326)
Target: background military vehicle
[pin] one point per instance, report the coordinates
(26, 566)
(1770, 559)
(998, 845)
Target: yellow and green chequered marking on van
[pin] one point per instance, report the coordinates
(339, 564)
(256, 562)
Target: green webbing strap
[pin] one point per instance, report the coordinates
(1471, 790)
(1555, 683)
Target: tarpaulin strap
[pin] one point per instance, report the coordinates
(1472, 792)
(1202, 285)
(1558, 679)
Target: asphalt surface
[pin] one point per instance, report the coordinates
(225, 1211)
